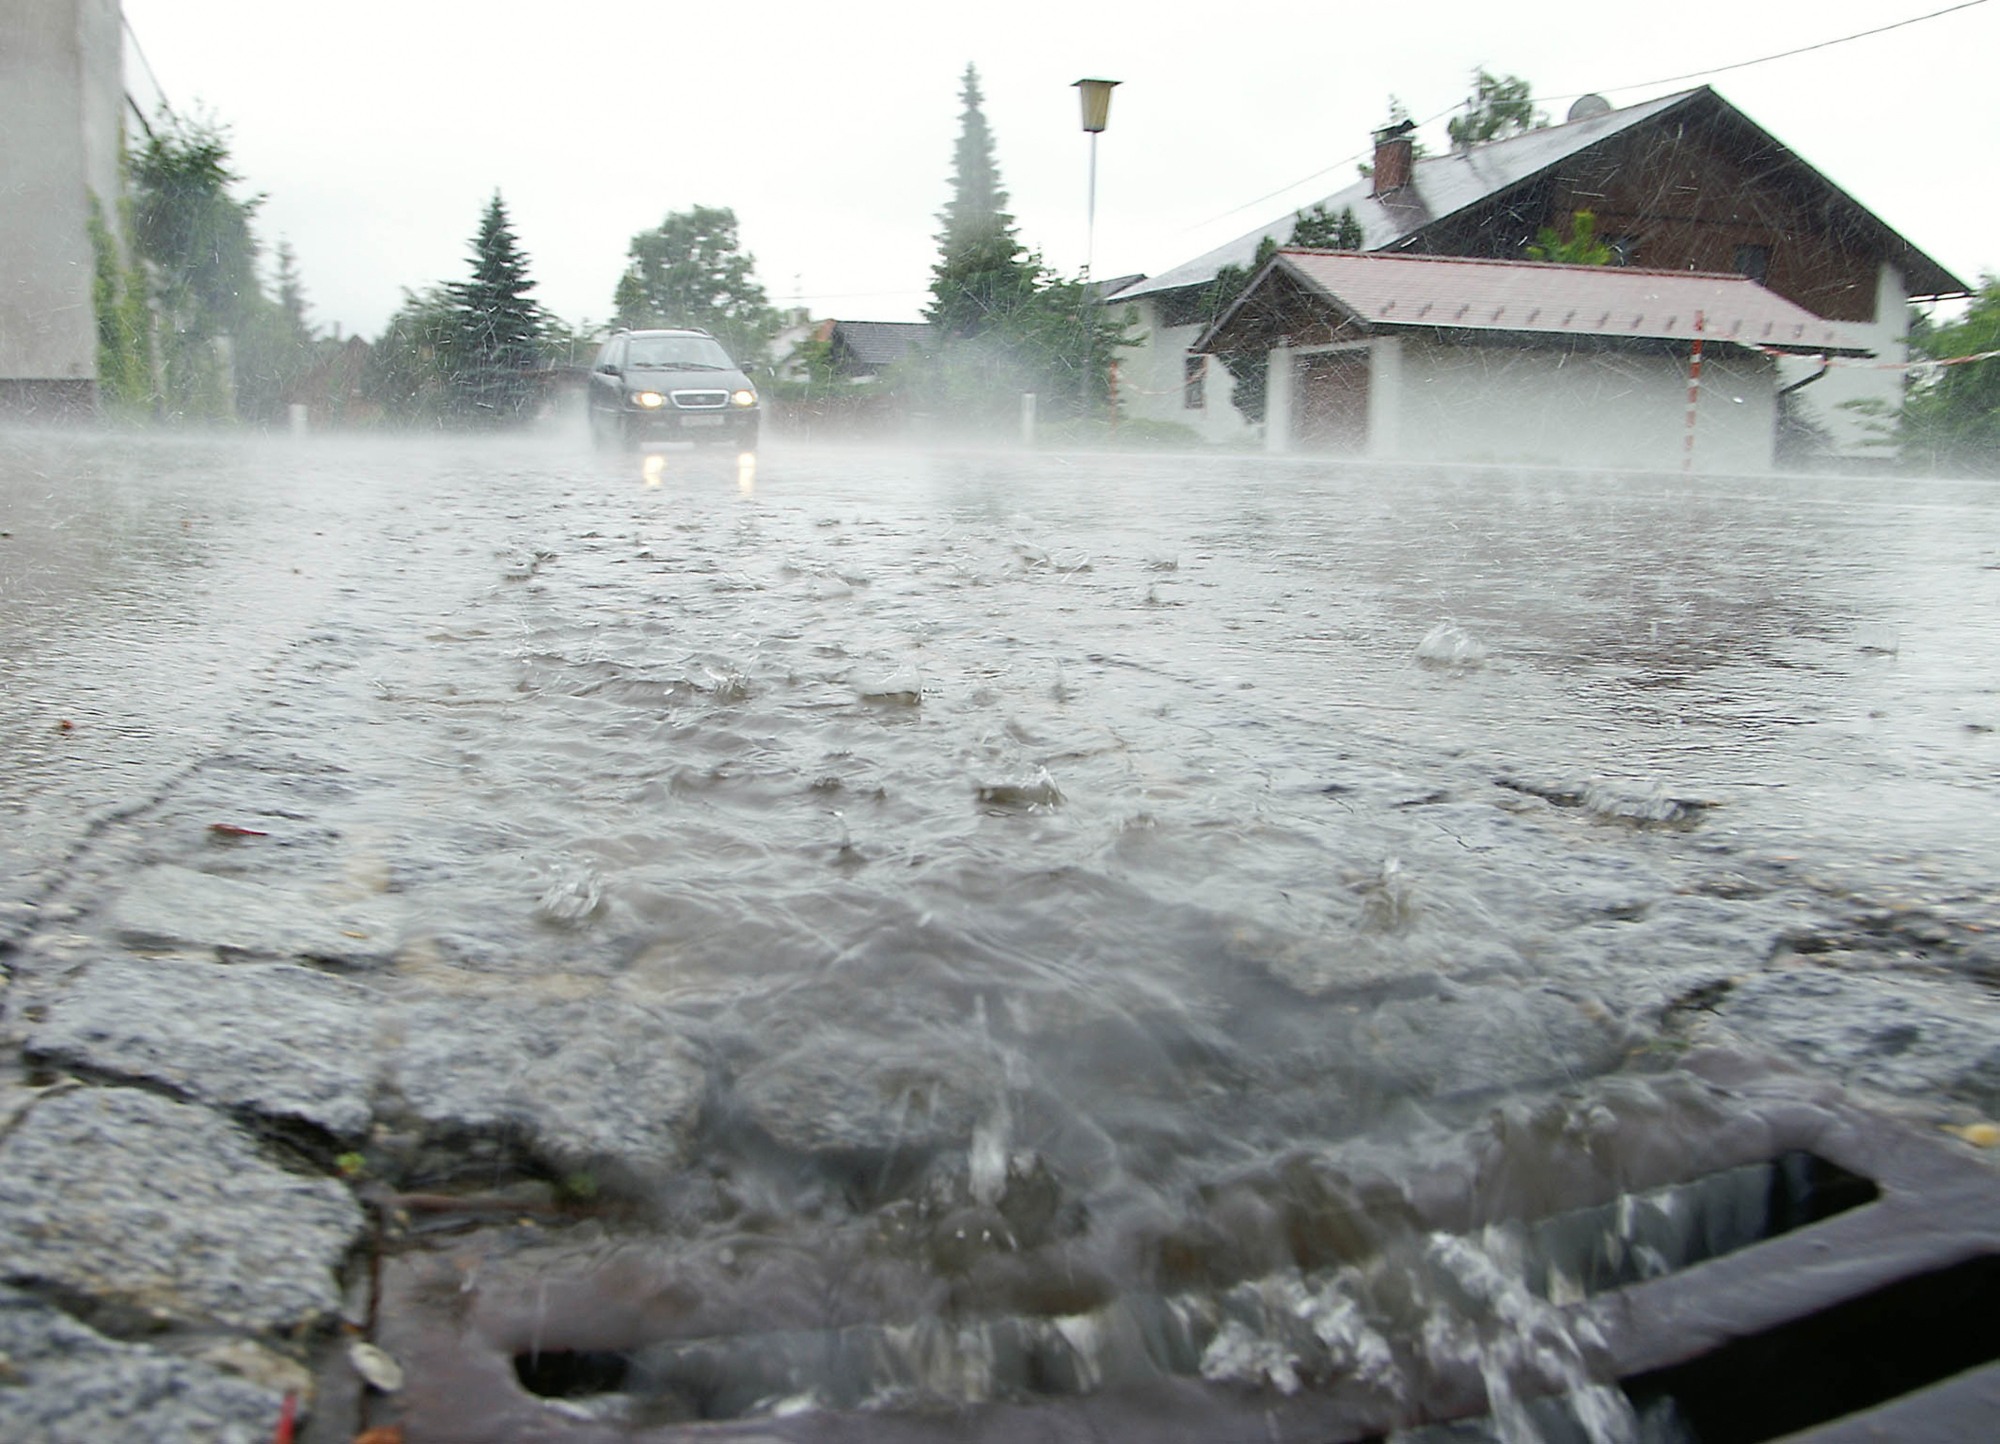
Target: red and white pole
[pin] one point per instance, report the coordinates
(1694, 397)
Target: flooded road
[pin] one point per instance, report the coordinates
(876, 888)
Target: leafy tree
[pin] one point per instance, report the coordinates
(224, 347)
(570, 344)
(1582, 248)
(1500, 105)
(1951, 421)
(691, 271)
(496, 348)
(196, 238)
(186, 222)
(412, 365)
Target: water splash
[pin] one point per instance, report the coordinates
(1448, 647)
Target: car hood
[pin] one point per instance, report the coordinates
(672, 378)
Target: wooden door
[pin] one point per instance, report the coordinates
(1331, 406)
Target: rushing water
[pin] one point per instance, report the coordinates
(1054, 851)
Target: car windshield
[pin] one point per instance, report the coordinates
(677, 353)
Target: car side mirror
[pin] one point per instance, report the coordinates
(610, 370)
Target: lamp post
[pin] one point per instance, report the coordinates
(1096, 98)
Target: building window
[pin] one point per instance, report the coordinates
(1754, 262)
(1194, 379)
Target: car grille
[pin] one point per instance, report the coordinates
(701, 400)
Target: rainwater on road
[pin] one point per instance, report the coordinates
(1024, 854)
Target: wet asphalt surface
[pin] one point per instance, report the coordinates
(793, 902)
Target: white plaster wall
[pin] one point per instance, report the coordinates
(1150, 377)
(1852, 432)
(60, 99)
(1549, 407)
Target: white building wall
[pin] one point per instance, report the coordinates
(1152, 372)
(1151, 376)
(61, 102)
(1587, 408)
(1429, 401)
(1846, 401)
(1385, 395)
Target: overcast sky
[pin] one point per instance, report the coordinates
(378, 129)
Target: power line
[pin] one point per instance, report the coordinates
(1635, 85)
(1799, 50)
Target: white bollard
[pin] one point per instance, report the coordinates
(297, 412)
(1027, 418)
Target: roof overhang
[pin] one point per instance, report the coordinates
(1349, 293)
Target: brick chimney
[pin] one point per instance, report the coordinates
(1395, 157)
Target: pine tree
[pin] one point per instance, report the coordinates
(292, 294)
(983, 274)
(1323, 230)
(499, 329)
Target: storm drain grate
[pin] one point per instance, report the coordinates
(1827, 1268)
(572, 1373)
(1650, 1235)
(1140, 1338)
(1840, 1361)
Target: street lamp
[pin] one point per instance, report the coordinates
(1096, 98)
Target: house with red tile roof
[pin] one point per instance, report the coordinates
(1683, 184)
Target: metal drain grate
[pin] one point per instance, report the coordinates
(1818, 1258)
(1854, 1356)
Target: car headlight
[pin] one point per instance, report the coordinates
(647, 399)
(745, 397)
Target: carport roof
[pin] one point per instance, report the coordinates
(1376, 292)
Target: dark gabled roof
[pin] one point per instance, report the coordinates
(880, 343)
(1099, 290)
(1443, 186)
(1377, 292)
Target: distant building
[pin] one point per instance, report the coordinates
(835, 378)
(860, 350)
(1683, 183)
(334, 389)
(798, 328)
(1446, 359)
(62, 99)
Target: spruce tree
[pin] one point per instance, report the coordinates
(499, 329)
(982, 275)
(292, 294)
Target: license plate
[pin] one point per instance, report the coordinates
(701, 421)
